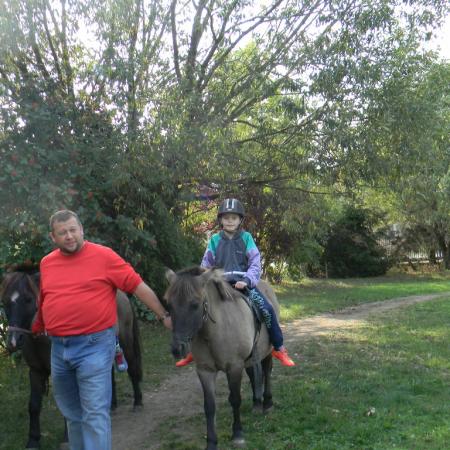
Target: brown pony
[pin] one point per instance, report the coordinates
(18, 295)
(216, 321)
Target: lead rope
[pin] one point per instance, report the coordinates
(22, 330)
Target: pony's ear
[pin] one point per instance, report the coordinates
(7, 276)
(170, 276)
(5, 280)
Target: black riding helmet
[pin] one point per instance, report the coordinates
(231, 205)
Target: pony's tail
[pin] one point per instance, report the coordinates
(137, 347)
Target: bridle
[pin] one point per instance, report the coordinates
(206, 315)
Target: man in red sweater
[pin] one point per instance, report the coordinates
(77, 308)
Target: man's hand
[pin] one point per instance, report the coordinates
(167, 322)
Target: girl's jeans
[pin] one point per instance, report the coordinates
(81, 375)
(269, 316)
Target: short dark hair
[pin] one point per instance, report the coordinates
(63, 216)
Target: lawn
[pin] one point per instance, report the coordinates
(314, 296)
(381, 386)
(377, 387)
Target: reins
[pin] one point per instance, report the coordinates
(206, 314)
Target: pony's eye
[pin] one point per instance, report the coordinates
(193, 306)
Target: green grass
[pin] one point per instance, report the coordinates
(398, 367)
(14, 393)
(14, 389)
(382, 386)
(312, 296)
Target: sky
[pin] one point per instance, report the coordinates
(442, 40)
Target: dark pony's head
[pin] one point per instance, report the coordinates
(18, 295)
(186, 297)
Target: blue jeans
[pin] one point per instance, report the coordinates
(81, 377)
(269, 316)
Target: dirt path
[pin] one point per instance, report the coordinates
(181, 393)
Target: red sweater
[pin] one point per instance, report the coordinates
(78, 291)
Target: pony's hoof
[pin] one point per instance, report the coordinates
(137, 408)
(257, 408)
(267, 408)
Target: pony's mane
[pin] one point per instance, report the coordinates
(193, 271)
(187, 284)
(226, 291)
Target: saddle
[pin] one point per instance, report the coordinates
(257, 314)
(232, 278)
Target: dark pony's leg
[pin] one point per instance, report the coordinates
(267, 403)
(113, 390)
(38, 386)
(208, 382)
(129, 340)
(65, 442)
(234, 377)
(257, 403)
(267, 364)
(133, 355)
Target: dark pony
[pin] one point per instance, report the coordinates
(18, 294)
(216, 321)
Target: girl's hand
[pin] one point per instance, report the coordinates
(240, 285)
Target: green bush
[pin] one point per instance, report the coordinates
(352, 248)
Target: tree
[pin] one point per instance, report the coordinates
(61, 148)
(172, 97)
(407, 132)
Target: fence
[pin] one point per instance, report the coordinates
(416, 255)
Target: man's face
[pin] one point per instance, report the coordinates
(68, 236)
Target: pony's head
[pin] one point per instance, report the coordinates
(186, 298)
(18, 295)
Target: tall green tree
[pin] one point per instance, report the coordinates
(407, 131)
(125, 108)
